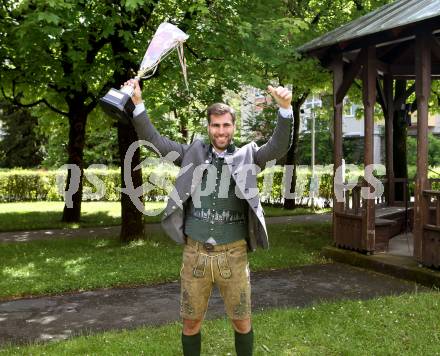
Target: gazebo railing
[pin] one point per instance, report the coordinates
(353, 201)
(433, 197)
(431, 229)
(433, 201)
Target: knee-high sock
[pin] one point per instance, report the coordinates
(244, 343)
(191, 345)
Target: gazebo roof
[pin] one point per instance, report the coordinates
(398, 15)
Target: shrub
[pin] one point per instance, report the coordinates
(40, 185)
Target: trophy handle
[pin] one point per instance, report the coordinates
(129, 89)
(118, 103)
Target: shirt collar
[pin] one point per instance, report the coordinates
(229, 150)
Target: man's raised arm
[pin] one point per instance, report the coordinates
(145, 129)
(281, 139)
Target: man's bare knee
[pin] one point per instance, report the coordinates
(191, 327)
(242, 326)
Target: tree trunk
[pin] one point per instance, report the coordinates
(75, 149)
(132, 222)
(292, 154)
(400, 132)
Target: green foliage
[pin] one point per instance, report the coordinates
(41, 185)
(326, 188)
(20, 146)
(274, 195)
(55, 129)
(323, 143)
(101, 146)
(29, 185)
(353, 148)
(259, 127)
(271, 38)
(70, 54)
(411, 150)
(22, 185)
(54, 50)
(433, 150)
(271, 44)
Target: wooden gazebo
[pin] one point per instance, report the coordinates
(398, 40)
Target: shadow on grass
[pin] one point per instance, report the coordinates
(55, 266)
(47, 215)
(60, 265)
(37, 220)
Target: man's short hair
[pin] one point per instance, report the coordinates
(220, 109)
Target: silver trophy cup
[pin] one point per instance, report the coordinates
(117, 102)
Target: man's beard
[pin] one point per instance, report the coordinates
(221, 144)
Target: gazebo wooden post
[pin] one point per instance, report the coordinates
(338, 75)
(369, 98)
(423, 89)
(389, 159)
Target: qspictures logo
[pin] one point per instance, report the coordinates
(245, 178)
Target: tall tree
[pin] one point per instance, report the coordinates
(289, 24)
(273, 42)
(63, 56)
(59, 55)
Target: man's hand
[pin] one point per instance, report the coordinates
(137, 94)
(282, 96)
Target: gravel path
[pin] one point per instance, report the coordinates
(64, 316)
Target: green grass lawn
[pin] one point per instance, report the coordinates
(275, 211)
(60, 265)
(400, 325)
(47, 215)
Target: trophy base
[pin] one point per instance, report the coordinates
(117, 104)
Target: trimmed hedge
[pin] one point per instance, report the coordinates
(27, 185)
(40, 185)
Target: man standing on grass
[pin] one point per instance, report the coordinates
(218, 218)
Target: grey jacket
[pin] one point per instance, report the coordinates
(244, 165)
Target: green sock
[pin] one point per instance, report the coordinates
(191, 344)
(244, 343)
